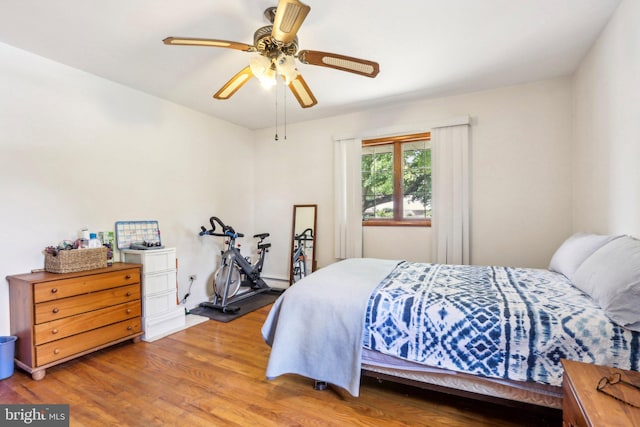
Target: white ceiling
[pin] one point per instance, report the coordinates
(425, 48)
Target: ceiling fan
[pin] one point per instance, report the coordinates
(277, 46)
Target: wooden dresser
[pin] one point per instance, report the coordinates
(58, 317)
(583, 405)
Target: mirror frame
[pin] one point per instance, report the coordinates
(293, 233)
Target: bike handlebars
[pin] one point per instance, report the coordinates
(227, 230)
(303, 235)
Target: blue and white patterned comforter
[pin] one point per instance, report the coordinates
(498, 322)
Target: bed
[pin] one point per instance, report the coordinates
(482, 331)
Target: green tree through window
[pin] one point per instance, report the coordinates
(396, 180)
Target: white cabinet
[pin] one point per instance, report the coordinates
(161, 314)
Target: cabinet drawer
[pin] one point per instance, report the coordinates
(62, 328)
(153, 261)
(48, 291)
(58, 309)
(66, 347)
(162, 261)
(159, 282)
(159, 303)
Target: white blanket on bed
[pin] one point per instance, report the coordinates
(341, 292)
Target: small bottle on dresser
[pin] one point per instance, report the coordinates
(93, 241)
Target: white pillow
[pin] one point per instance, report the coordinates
(611, 276)
(577, 248)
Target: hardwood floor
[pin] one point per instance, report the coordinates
(214, 374)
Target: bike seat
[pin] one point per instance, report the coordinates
(261, 235)
(264, 245)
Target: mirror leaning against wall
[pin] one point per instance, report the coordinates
(303, 242)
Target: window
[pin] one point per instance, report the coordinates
(396, 180)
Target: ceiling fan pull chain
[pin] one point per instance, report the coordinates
(276, 137)
(285, 113)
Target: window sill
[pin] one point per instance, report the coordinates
(396, 223)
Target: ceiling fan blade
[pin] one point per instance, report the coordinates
(186, 41)
(339, 62)
(234, 84)
(289, 17)
(302, 92)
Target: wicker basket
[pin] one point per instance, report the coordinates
(76, 260)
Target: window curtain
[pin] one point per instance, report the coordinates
(450, 192)
(348, 198)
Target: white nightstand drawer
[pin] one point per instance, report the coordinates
(153, 260)
(159, 303)
(160, 326)
(159, 261)
(159, 282)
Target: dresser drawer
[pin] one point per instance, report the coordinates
(58, 309)
(66, 347)
(48, 291)
(62, 328)
(159, 282)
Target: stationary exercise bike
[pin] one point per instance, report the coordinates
(235, 271)
(299, 256)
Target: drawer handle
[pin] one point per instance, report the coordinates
(54, 290)
(129, 328)
(55, 310)
(56, 351)
(128, 311)
(128, 276)
(128, 294)
(55, 331)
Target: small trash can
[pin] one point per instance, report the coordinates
(7, 351)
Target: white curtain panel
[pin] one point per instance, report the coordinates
(348, 198)
(450, 193)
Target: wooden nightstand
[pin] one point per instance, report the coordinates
(583, 405)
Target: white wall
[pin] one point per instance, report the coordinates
(57, 121)
(521, 190)
(77, 150)
(607, 129)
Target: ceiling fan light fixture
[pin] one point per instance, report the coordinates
(286, 66)
(259, 64)
(268, 79)
(264, 70)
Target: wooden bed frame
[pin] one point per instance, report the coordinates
(504, 392)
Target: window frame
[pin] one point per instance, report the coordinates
(396, 142)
